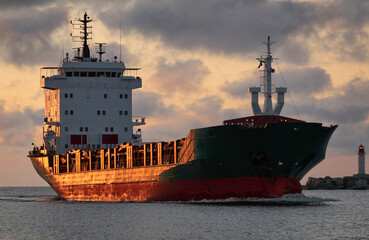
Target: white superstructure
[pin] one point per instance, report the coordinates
(88, 103)
(267, 87)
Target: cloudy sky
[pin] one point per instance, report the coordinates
(197, 60)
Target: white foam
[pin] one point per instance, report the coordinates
(298, 198)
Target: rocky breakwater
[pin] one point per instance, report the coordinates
(358, 181)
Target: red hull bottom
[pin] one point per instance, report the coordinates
(182, 190)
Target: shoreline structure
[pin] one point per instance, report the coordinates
(357, 181)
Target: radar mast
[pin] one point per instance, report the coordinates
(84, 34)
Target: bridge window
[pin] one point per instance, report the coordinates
(68, 74)
(107, 74)
(92, 74)
(83, 74)
(76, 74)
(100, 74)
(113, 74)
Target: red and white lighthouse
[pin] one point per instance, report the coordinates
(361, 159)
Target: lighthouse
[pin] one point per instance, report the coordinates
(361, 159)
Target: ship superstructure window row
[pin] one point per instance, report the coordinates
(66, 95)
(125, 96)
(93, 74)
(81, 129)
(125, 113)
(70, 112)
(107, 129)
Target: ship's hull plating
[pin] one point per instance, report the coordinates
(217, 163)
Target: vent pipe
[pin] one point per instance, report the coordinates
(255, 100)
(280, 99)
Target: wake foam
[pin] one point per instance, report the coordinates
(287, 199)
(46, 198)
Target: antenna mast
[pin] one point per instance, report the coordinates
(83, 37)
(267, 79)
(101, 50)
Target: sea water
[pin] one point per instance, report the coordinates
(37, 213)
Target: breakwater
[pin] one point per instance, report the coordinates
(357, 181)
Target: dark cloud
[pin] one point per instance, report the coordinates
(293, 52)
(26, 37)
(348, 104)
(210, 110)
(236, 89)
(335, 114)
(237, 27)
(150, 104)
(347, 45)
(17, 128)
(307, 81)
(21, 4)
(219, 26)
(179, 77)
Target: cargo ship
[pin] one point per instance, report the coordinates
(93, 150)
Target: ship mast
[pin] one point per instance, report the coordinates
(267, 79)
(267, 85)
(84, 34)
